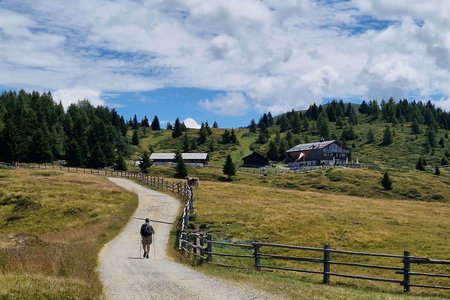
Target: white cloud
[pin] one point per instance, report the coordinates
(191, 123)
(69, 96)
(280, 54)
(230, 104)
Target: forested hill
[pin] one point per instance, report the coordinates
(33, 128)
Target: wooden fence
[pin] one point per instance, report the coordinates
(181, 188)
(159, 183)
(397, 269)
(305, 169)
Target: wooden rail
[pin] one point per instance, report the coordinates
(396, 268)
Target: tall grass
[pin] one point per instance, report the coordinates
(53, 227)
(244, 213)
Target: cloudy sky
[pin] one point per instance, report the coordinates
(225, 60)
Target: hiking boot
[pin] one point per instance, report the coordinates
(145, 254)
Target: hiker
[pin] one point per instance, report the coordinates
(146, 233)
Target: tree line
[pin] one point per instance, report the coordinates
(34, 128)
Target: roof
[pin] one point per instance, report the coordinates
(171, 155)
(311, 146)
(254, 154)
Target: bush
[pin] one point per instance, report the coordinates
(386, 182)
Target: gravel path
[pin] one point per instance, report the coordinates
(126, 275)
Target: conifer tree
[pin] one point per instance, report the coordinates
(211, 145)
(420, 164)
(145, 163)
(229, 167)
(155, 124)
(177, 129)
(437, 172)
(253, 128)
(387, 136)
(185, 143)
(97, 159)
(144, 122)
(386, 182)
(444, 161)
(215, 125)
(135, 138)
(272, 151)
(193, 145)
(415, 128)
(73, 154)
(203, 134)
(370, 136)
(120, 164)
(180, 169)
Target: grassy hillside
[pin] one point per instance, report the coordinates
(402, 153)
(243, 213)
(53, 225)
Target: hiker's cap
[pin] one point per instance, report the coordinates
(147, 220)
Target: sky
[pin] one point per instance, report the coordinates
(225, 60)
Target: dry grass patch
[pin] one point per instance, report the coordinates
(246, 213)
(53, 226)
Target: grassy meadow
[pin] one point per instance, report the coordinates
(244, 213)
(53, 225)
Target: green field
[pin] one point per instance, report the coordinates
(53, 225)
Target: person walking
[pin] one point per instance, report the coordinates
(147, 232)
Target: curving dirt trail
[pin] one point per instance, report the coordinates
(126, 275)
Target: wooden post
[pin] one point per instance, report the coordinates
(209, 247)
(202, 249)
(326, 263)
(256, 255)
(406, 269)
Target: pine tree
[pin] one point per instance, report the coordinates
(185, 143)
(253, 128)
(442, 142)
(211, 145)
(386, 182)
(120, 164)
(229, 167)
(145, 163)
(203, 134)
(144, 122)
(444, 161)
(177, 129)
(73, 154)
(387, 136)
(420, 164)
(97, 159)
(155, 124)
(193, 145)
(208, 129)
(370, 136)
(437, 172)
(215, 125)
(272, 151)
(431, 137)
(135, 123)
(135, 138)
(180, 169)
(415, 128)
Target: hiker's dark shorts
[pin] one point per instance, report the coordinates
(147, 240)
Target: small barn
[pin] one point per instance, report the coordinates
(318, 153)
(255, 160)
(168, 159)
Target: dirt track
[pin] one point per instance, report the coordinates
(126, 275)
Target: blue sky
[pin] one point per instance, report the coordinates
(225, 60)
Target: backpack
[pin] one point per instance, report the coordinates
(145, 230)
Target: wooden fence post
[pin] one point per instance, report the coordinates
(202, 249)
(256, 247)
(406, 269)
(326, 263)
(209, 247)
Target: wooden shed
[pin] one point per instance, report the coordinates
(255, 160)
